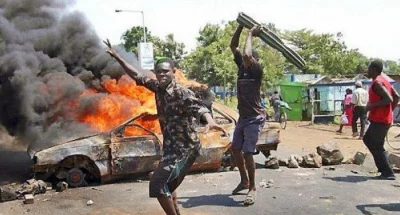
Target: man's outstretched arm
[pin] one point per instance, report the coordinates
(129, 69)
(135, 74)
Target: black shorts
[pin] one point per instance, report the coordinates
(166, 177)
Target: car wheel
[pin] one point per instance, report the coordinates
(76, 178)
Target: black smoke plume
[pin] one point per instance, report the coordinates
(48, 57)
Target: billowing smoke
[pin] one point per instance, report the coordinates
(48, 57)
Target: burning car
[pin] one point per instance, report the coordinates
(110, 155)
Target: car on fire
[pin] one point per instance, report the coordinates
(106, 156)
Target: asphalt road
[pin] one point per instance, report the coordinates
(295, 191)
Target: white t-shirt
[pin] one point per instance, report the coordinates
(360, 97)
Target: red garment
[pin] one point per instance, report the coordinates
(348, 109)
(380, 114)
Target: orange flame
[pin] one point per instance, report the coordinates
(124, 100)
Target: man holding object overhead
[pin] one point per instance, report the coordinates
(252, 116)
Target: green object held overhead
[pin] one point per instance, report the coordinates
(273, 40)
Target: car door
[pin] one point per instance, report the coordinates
(214, 144)
(134, 154)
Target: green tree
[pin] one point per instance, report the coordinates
(325, 53)
(392, 67)
(132, 37)
(166, 47)
(212, 61)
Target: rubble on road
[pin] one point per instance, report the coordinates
(7, 194)
(369, 163)
(89, 203)
(283, 162)
(293, 162)
(394, 158)
(32, 186)
(359, 158)
(29, 188)
(299, 159)
(61, 186)
(267, 184)
(272, 163)
(29, 199)
(330, 153)
(312, 160)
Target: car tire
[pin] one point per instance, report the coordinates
(76, 178)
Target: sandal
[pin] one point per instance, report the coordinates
(239, 188)
(250, 198)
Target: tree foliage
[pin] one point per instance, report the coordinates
(325, 53)
(166, 47)
(212, 61)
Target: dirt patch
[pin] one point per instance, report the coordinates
(306, 137)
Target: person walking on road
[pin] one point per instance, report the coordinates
(347, 110)
(382, 99)
(359, 100)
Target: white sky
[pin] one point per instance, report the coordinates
(356, 19)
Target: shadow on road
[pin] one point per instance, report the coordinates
(217, 200)
(392, 207)
(349, 178)
(346, 138)
(311, 127)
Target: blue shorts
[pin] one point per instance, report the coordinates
(246, 134)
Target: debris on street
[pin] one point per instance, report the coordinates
(293, 162)
(331, 168)
(28, 199)
(32, 186)
(61, 186)
(89, 203)
(283, 162)
(330, 153)
(312, 160)
(272, 163)
(267, 184)
(327, 197)
(7, 194)
(359, 158)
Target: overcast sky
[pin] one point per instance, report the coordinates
(372, 26)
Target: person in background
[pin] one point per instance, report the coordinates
(359, 101)
(275, 101)
(382, 99)
(347, 109)
(263, 101)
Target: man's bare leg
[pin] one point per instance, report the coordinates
(167, 204)
(175, 200)
(251, 169)
(244, 180)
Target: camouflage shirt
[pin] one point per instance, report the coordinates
(177, 109)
